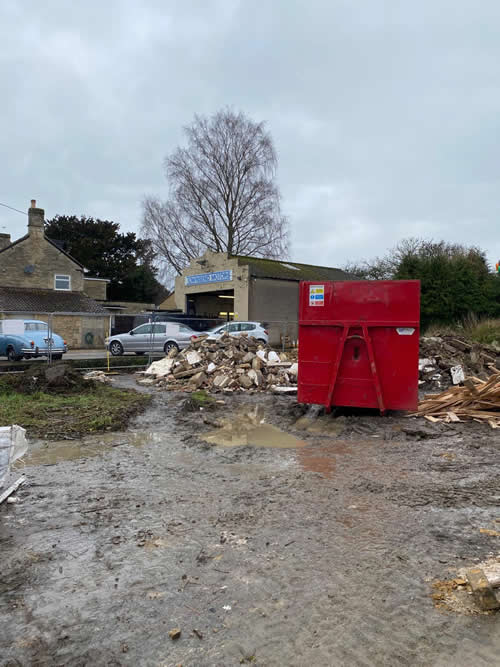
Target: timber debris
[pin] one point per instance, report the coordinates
(477, 400)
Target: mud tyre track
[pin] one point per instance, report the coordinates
(325, 555)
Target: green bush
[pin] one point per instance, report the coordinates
(455, 281)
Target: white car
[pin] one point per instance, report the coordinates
(158, 337)
(255, 329)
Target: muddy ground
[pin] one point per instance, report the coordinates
(320, 553)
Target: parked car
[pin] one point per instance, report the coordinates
(29, 338)
(157, 337)
(255, 329)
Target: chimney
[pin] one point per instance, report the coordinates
(35, 220)
(4, 241)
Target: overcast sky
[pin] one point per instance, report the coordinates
(385, 115)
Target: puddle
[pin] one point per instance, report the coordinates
(50, 453)
(249, 429)
(323, 425)
(264, 435)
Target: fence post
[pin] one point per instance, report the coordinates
(49, 338)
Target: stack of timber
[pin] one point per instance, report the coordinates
(477, 400)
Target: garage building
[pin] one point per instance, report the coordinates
(248, 288)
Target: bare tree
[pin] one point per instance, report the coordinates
(222, 194)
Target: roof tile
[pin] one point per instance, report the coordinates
(22, 300)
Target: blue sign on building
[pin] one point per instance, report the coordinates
(205, 278)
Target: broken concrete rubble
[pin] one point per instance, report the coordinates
(228, 364)
(440, 354)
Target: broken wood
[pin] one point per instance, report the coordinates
(478, 400)
(13, 487)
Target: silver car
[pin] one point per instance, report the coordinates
(159, 337)
(255, 329)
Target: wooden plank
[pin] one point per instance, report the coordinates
(12, 488)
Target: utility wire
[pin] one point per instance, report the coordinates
(13, 209)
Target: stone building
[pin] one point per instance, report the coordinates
(37, 277)
(248, 288)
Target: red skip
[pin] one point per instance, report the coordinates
(358, 344)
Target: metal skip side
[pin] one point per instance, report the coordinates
(358, 343)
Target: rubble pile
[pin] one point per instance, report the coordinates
(230, 363)
(442, 356)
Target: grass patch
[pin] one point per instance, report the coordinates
(202, 398)
(103, 408)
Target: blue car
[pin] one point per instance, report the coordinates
(29, 338)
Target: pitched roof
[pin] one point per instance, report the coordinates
(271, 268)
(23, 300)
(53, 243)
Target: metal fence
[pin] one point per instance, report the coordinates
(91, 332)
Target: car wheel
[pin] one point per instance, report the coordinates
(170, 345)
(261, 340)
(12, 356)
(116, 348)
(56, 357)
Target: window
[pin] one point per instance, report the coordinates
(62, 282)
(35, 326)
(247, 326)
(159, 328)
(185, 329)
(143, 329)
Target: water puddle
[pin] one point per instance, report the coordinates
(249, 429)
(50, 453)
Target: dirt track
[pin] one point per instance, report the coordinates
(316, 555)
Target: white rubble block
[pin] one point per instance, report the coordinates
(262, 354)
(160, 368)
(211, 367)
(276, 389)
(193, 357)
(256, 377)
(221, 381)
(457, 374)
(294, 370)
(99, 376)
(272, 357)
(426, 364)
(146, 382)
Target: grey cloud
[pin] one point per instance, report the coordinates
(385, 114)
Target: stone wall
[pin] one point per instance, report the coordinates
(95, 288)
